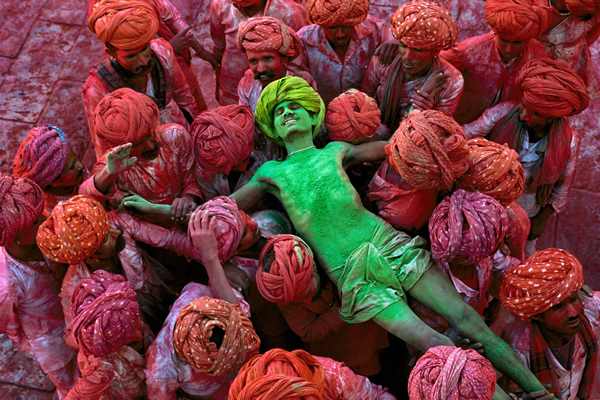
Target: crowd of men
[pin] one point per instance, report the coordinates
(363, 189)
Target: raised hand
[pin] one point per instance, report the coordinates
(387, 52)
(202, 233)
(118, 160)
(182, 40)
(181, 207)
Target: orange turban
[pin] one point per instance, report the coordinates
(291, 272)
(583, 7)
(424, 25)
(74, 231)
(494, 169)
(268, 34)
(223, 138)
(125, 116)
(552, 89)
(105, 313)
(428, 150)
(280, 387)
(516, 20)
(328, 13)
(352, 117)
(194, 328)
(124, 24)
(539, 283)
(21, 204)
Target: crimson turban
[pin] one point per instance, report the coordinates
(428, 150)
(552, 89)
(194, 328)
(494, 169)
(451, 373)
(74, 231)
(290, 275)
(352, 117)
(583, 7)
(516, 20)
(487, 224)
(125, 116)
(245, 3)
(42, 155)
(223, 138)
(540, 282)
(268, 34)
(328, 13)
(124, 24)
(21, 204)
(105, 313)
(424, 25)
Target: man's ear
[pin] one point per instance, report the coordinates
(110, 49)
(314, 117)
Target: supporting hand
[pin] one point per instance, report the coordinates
(137, 202)
(182, 41)
(387, 52)
(237, 278)
(181, 207)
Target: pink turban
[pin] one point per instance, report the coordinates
(105, 314)
(516, 20)
(328, 13)
(223, 138)
(291, 272)
(268, 34)
(539, 283)
(486, 221)
(352, 117)
(451, 373)
(424, 25)
(21, 204)
(42, 155)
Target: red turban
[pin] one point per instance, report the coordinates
(21, 204)
(539, 283)
(352, 117)
(42, 155)
(424, 25)
(328, 13)
(451, 373)
(223, 138)
(552, 89)
(74, 231)
(487, 224)
(495, 170)
(290, 275)
(280, 387)
(268, 34)
(516, 20)
(428, 150)
(105, 314)
(229, 227)
(124, 24)
(245, 3)
(583, 7)
(125, 116)
(194, 328)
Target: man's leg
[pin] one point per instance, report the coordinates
(434, 290)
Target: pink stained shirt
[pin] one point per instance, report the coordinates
(166, 372)
(178, 95)
(224, 21)
(488, 80)
(335, 76)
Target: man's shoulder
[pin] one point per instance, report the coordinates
(311, 34)
(172, 135)
(517, 334)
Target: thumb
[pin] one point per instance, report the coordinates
(132, 161)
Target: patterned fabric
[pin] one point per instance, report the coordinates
(328, 13)
(352, 117)
(21, 204)
(268, 34)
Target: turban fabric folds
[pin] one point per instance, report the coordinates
(125, 116)
(279, 386)
(290, 275)
(74, 231)
(428, 150)
(539, 283)
(328, 13)
(21, 204)
(268, 34)
(424, 25)
(194, 328)
(223, 138)
(42, 155)
(352, 117)
(495, 170)
(105, 313)
(124, 24)
(487, 224)
(289, 88)
(516, 20)
(446, 372)
(583, 7)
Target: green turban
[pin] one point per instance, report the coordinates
(289, 88)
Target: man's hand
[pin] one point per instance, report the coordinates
(209, 57)
(388, 51)
(181, 207)
(182, 41)
(424, 98)
(137, 202)
(237, 278)
(202, 233)
(538, 223)
(587, 290)
(118, 159)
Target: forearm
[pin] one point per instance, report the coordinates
(103, 180)
(366, 152)
(218, 280)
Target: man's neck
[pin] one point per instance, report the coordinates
(294, 145)
(411, 77)
(537, 133)
(340, 50)
(60, 191)
(554, 339)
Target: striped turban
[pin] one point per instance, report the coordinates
(268, 34)
(428, 150)
(328, 13)
(21, 204)
(42, 155)
(516, 20)
(352, 117)
(194, 328)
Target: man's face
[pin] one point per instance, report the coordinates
(292, 118)
(138, 61)
(564, 318)
(339, 35)
(105, 257)
(267, 66)
(509, 49)
(532, 119)
(72, 173)
(416, 61)
(146, 148)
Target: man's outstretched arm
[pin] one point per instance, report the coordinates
(250, 194)
(366, 152)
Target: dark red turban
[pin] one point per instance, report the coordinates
(21, 204)
(268, 34)
(352, 117)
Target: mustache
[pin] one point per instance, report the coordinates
(268, 74)
(147, 67)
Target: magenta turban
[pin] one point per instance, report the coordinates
(21, 204)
